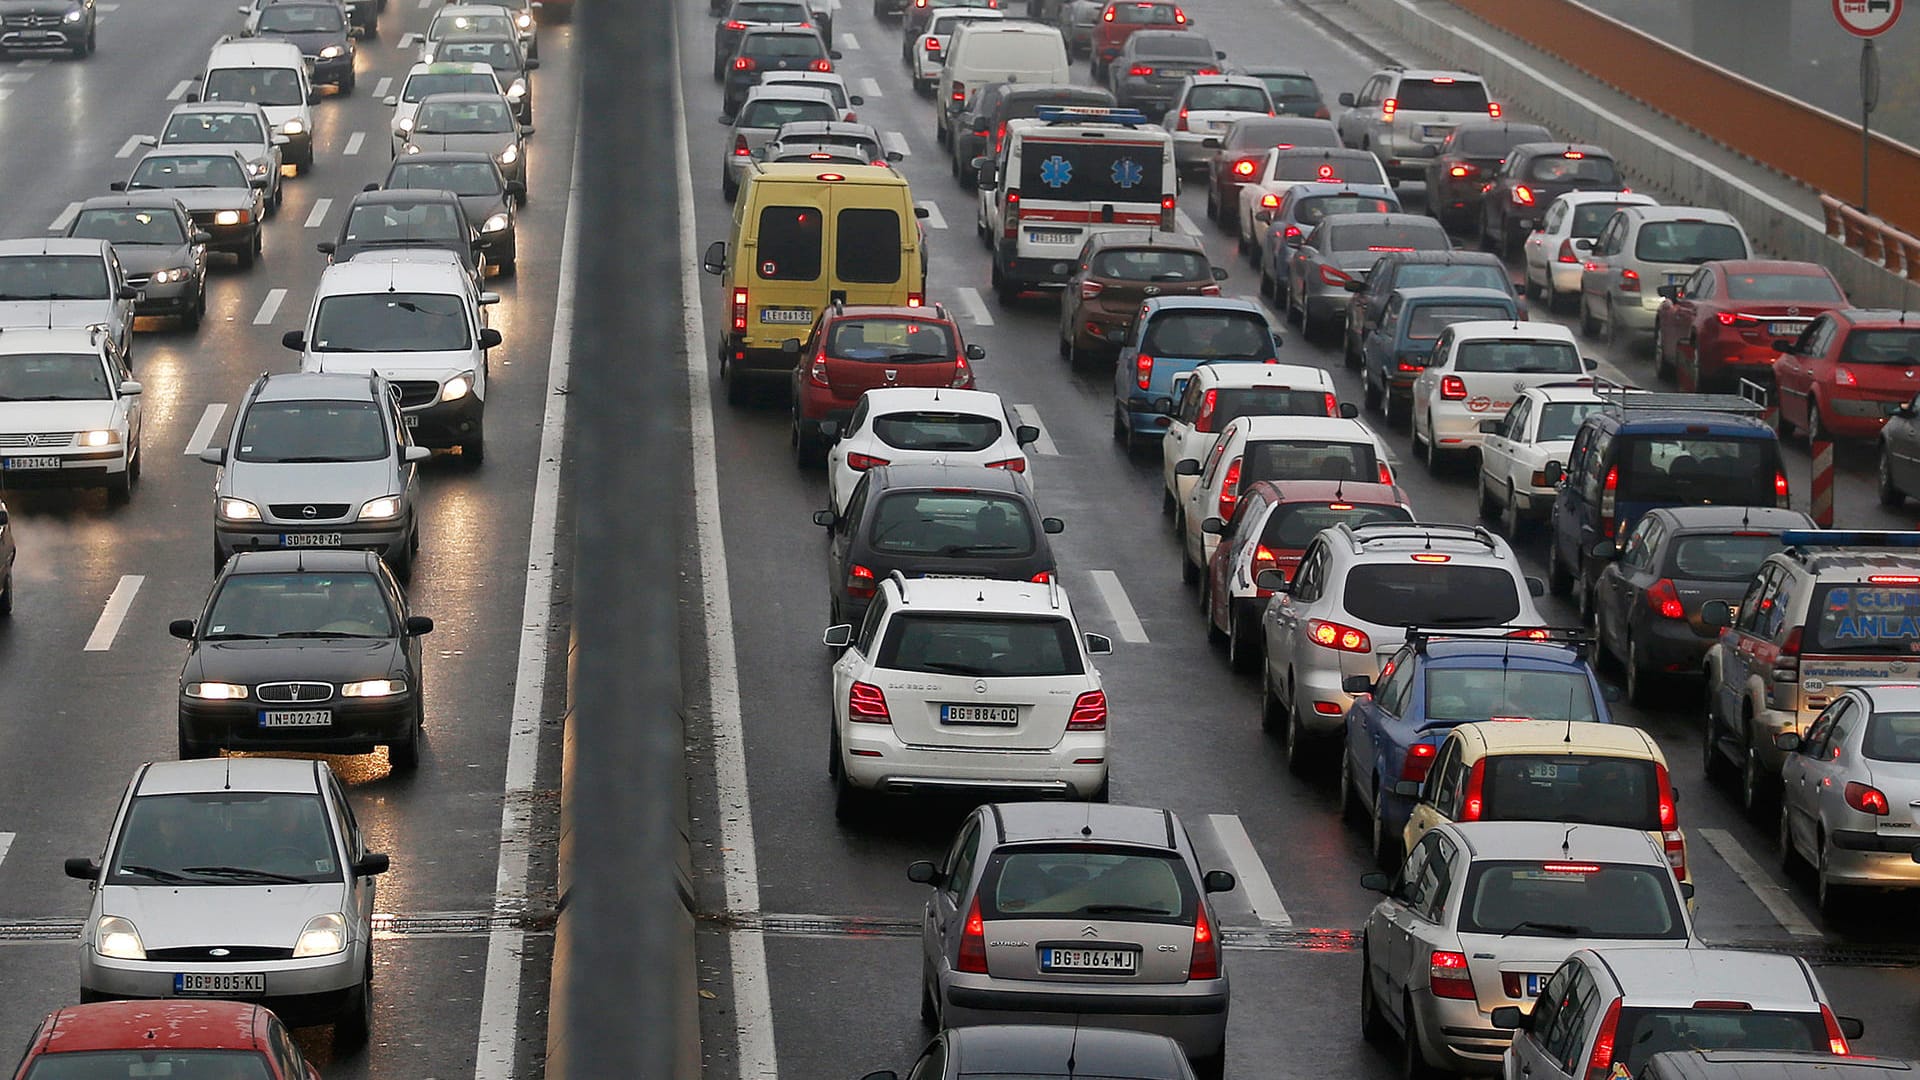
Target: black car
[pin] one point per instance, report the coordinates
(771, 48)
(487, 198)
(163, 253)
(1466, 164)
(319, 28)
(1046, 1051)
(412, 218)
(307, 650)
(1152, 64)
(1293, 91)
(744, 15)
(32, 25)
(1409, 269)
(1646, 603)
(933, 521)
(978, 128)
(1536, 174)
(501, 52)
(1239, 152)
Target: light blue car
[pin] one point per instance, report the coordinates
(1173, 336)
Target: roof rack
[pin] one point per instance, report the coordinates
(1422, 531)
(1624, 398)
(1577, 636)
(1089, 114)
(900, 580)
(1838, 538)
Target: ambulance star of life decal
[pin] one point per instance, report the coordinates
(1127, 172)
(1056, 172)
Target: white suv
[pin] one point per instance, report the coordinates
(1404, 116)
(967, 684)
(69, 411)
(1476, 372)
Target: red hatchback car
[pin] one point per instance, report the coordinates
(1121, 18)
(1850, 371)
(854, 349)
(180, 1039)
(1720, 324)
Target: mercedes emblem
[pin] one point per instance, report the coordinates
(309, 511)
(980, 687)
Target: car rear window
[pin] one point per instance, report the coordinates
(1562, 169)
(1590, 218)
(1466, 275)
(1330, 168)
(1230, 404)
(1310, 210)
(1174, 47)
(1519, 357)
(980, 645)
(1562, 419)
(1860, 617)
(1571, 899)
(1441, 95)
(1883, 347)
(1087, 882)
(1492, 141)
(1429, 319)
(1027, 106)
(1461, 595)
(1090, 172)
(1680, 469)
(1688, 242)
(1893, 736)
(1144, 14)
(173, 1064)
(1152, 264)
(1391, 236)
(1209, 335)
(770, 13)
(1292, 526)
(867, 245)
(806, 45)
(936, 430)
(1721, 557)
(789, 247)
(1787, 288)
(1644, 1032)
(763, 113)
(1508, 693)
(951, 525)
(890, 341)
(1304, 459)
(1235, 98)
(1291, 87)
(1584, 788)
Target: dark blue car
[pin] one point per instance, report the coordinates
(1395, 352)
(1397, 723)
(1172, 336)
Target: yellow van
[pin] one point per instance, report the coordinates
(804, 238)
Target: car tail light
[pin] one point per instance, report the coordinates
(1180, 124)
(740, 148)
(1166, 213)
(1292, 232)
(1321, 113)
(1140, 70)
(817, 371)
(1511, 983)
(1206, 948)
(1493, 109)
(1670, 838)
(860, 581)
(822, 64)
(1629, 280)
(1244, 167)
(867, 704)
(863, 462)
(1143, 371)
(1844, 377)
(914, 299)
(1263, 559)
(1230, 490)
(933, 45)
(1462, 170)
(1212, 289)
(1012, 464)
(1269, 201)
(1453, 388)
(959, 91)
(1475, 802)
(1448, 976)
(1107, 15)
(1600, 1064)
(1090, 290)
(1664, 599)
(1388, 108)
(1609, 492)
(740, 310)
(1780, 489)
(1333, 404)
(1010, 224)
(1042, 577)
(1522, 195)
(1386, 474)
(1729, 318)
(1407, 365)
(962, 374)
(1212, 71)
(1333, 635)
(1890, 579)
(1567, 254)
(1089, 712)
(736, 24)
(1866, 798)
(1418, 761)
(1179, 16)
(1334, 276)
(1000, 137)
(744, 63)
(1203, 421)
(973, 942)
(1836, 1039)
(1786, 661)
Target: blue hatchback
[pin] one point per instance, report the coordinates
(1173, 336)
(1434, 683)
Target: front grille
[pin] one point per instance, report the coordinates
(415, 392)
(37, 440)
(294, 693)
(139, 281)
(203, 954)
(298, 511)
(31, 21)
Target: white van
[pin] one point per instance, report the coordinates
(272, 75)
(987, 51)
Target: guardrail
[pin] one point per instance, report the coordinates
(1873, 238)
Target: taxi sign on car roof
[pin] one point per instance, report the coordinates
(1089, 114)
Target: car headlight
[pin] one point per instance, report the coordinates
(384, 508)
(116, 937)
(216, 691)
(238, 510)
(332, 51)
(230, 217)
(294, 127)
(510, 155)
(323, 936)
(457, 387)
(517, 91)
(74, 16)
(99, 438)
(496, 223)
(412, 149)
(258, 168)
(523, 20)
(172, 274)
(374, 688)
(403, 125)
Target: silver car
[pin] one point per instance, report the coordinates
(480, 122)
(760, 119)
(230, 125)
(66, 282)
(1641, 248)
(1850, 792)
(1043, 912)
(1480, 916)
(231, 878)
(317, 460)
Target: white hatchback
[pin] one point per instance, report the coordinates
(1477, 371)
(967, 684)
(923, 426)
(1515, 451)
(1552, 263)
(1216, 394)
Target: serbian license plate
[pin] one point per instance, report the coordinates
(1786, 329)
(1436, 131)
(16, 464)
(320, 540)
(1113, 961)
(1051, 236)
(1532, 983)
(786, 316)
(206, 982)
(296, 717)
(980, 714)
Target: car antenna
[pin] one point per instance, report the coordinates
(1072, 1049)
(227, 784)
(1566, 842)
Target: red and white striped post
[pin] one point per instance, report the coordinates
(1822, 483)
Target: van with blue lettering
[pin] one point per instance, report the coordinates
(1834, 609)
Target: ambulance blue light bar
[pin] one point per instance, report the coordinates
(1849, 538)
(1090, 114)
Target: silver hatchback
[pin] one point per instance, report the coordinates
(1850, 792)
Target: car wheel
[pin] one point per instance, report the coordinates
(404, 756)
(246, 256)
(1213, 205)
(1610, 330)
(1380, 842)
(1369, 397)
(1190, 574)
(729, 189)
(1350, 351)
(1753, 779)
(1349, 795)
(1828, 895)
(1662, 359)
(1300, 748)
(1640, 682)
(1004, 289)
(1489, 507)
(1559, 579)
(1533, 290)
(1211, 1067)
(1373, 1026)
(1167, 505)
(198, 311)
(1789, 858)
(1413, 1060)
(6, 595)
(1713, 764)
(1120, 434)
(1511, 522)
(809, 450)
(1243, 644)
(1314, 330)
(1273, 714)
(1396, 407)
(1269, 288)
(1556, 300)
(351, 1028)
(1890, 495)
(120, 486)
(1432, 449)
(1589, 326)
(849, 802)
(1816, 429)
(474, 451)
(346, 85)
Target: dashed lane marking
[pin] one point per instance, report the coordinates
(967, 298)
(870, 89)
(1107, 583)
(354, 142)
(179, 89)
(1771, 896)
(269, 307)
(1186, 223)
(6, 842)
(1030, 415)
(896, 142)
(203, 431)
(848, 41)
(383, 87)
(127, 148)
(115, 613)
(66, 217)
(319, 212)
(16, 76)
(1256, 886)
(935, 219)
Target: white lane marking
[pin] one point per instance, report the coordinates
(1256, 886)
(1107, 583)
(1186, 223)
(318, 213)
(935, 219)
(1030, 415)
(754, 1053)
(179, 89)
(66, 218)
(975, 309)
(6, 842)
(115, 613)
(269, 307)
(16, 76)
(5, 92)
(848, 41)
(1771, 896)
(127, 148)
(896, 142)
(384, 87)
(36, 62)
(870, 89)
(354, 142)
(203, 431)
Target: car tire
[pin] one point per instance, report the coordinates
(1511, 522)
(1004, 290)
(1373, 1025)
(1788, 857)
(1556, 300)
(1312, 329)
(729, 188)
(1816, 428)
(404, 756)
(6, 595)
(1381, 843)
(1243, 641)
(1663, 364)
(1559, 578)
(352, 1027)
(1211, 1067)
(1273, 714)
(1431, 448)
(809, 450)
(1350, 352)
(1413, 1060)
(1301, 748)
(1754, 791)
(1610, 329)
(191, 319)
(246, 256)
(1102, 794)
(1890, 495)
(1642, 682)
(346, 85)
(1713, 764)
(1190, 575)
(1269, 288)
(120, 486)
(1828, 895)
(1490, 510)
(1534, 292)
(849, 802)
(1589, 326)
(929, 1012)
(1369, 397)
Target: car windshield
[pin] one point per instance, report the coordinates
(774, 112)
(394, 223)
(1441, 94)
(392, 322)
(1561, 420)
(1784, 288)
(1292, 526)
(1429, 319)
(1861, 617)
(53, 377)
(170, 1063)
(925, 430)
(263, 86)
(301, 19)
(1209, 335)
(1519, 357)
(462, 118)
(1644, 1032)
(183, 171)
(1308, 459)
(498, 55)
(1590, 789)
(1462, 694)
(473, 82)
(1152, 264)
(1329, 168)
(951, 524)
(1082, 883)
(1893, 736)
(1721, 557)
(1310, 210)
(129, 226)
(1688, 242)
(1009, 646)
(53, 277)
(277, 432)
(891, 341)
(299, 605)
(1458, 595)
(225, 838)
(1898, 347)
(1573, 167)
(1696, 469)
(782, 45)
(469, 23)
(1232, 403)
(1229, 98)
(1390, 236)
(459, 177)
(199, 127)
(1595, 900)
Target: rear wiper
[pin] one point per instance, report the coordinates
(973, 549)
(1124, 909)
(152, 872)
(912, 356)
(1563, 929)
(244, 872)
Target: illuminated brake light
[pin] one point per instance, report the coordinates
(817, 371)
(1608, 495)
(1179, 16)
(1453, 388)
(1493, 109)
(1333, 409)
(1419, 761)
(1244, 167)
(822, 64)
(962, 373)
(1263, 559)
(1448, 976)
(933, 44)
(1844, 377)
(1089, 712)
(1894, 579)
(1629, 280)
(1166, 213)
(1664, 598)
(1523, 195)
(1386, 474)
(1180, 124)
(1212, 71)
(914, 299)
(1866, 798)
(1600, 1064)
(863, 462)
(744, 63)
(1293, 232)
(1105, 16)
(1333, 276)
(1269, 201)
(1475, 803)
(1205, 963)
(1333, 635)
(740, 310)
(1140, 70)
(1230, 490)
(1431, 557)
(1010, 225)
(1574, 154)
(1567, 254)
(973, 940)
(959, 91)
(1570, 868)
(740, 148)
(1670, 838)
(1388, 108)
(1461, 170)
(1836, 1039)
(1143, 371)
(867, 704)
(1091, 289)
(1204, 421)
(1780, 488)
(736, 24)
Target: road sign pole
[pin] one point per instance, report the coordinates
(1822, 483)
(1869, 100)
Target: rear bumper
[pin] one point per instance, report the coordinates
(1865, 858)
(1670, 645)
(1853, 417)
(1457, 1036)
(876, 760)
(1193, 1014)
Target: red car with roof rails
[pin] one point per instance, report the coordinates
(1120, 18)
(854, 348)
(183, 1039)
(1720, 324)
(1848, 372)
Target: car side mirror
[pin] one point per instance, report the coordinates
(391, 101)
(830, 430)
(1346, 100)
(313, 97)
(192, 96)
(130, 387)
(1535, 587)
(1590, 363)
(834, 54)
(1187, 467)
(1357, 684)
(201, 236)
(1354, 286)
(1906, 410)
(1026, 433)
(1852, 1026)
(826, 519)
(1219, 273)
(1375, 881)
(882, 1074)
(856, 100)
(724, 120)
(1430, 151)
(838, 636)
(1787, 740)
(1219, 881)
(326, 247)
(1605, 550)
(1581, 243)
(419, 625)
(117, 185)
(924, 873)
(1265, 217)
(1669, 292)
(1506, 1017)
(1407, 788)
(1717, 614)
(372, 864)
(128, 292)
(181, 628)
(1490, 427)
(533, 64)
(1218, 54)
(1349, 411)
(83, 869)
(1554, 473)
(1610, 693)
(295, 340)
(414, 454)
(488, 299)
(258, 181)
(214, 455)
(988, 171)
(715, 259)
(1213, 526)
(982, 125)
(1212, 142)
(515, 189)
(976, 352)
(1785, 345)
(1271, 580)
(1098, 644)
(1052, 526)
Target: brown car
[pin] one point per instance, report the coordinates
(1116, 271)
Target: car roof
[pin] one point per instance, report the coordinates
(936, 313)
(294, 775)
(158, 1025)
(1025, 822)
(984, 402)
(1064, 1050)
(1563, 392)
(1682, 976)
(1441, 294)
(849, 174)
(1511, 330)
(53, 245)
(300, 561)
(217, 107)
(1401, 536)
(1227, 79)
(1257, 70)
(1470, 653)
(1147, 238)
(1306, 428)
(1559, 736)
(981, 595)
(1456, 255)
(1544, 147)
(1434, 73)
(779, 30)
(401, 195)
(1343, 153)
(1771, 1064)
(462, 97)
(1315, 188)
(1239, 376)
(792, 92)
(254, 52)
(445, 156)
(1841, 563)
(357, 277)
(314, 385)
(1239, 304)
(1554, 841)
(953, 477)
(1725, 518)
(1353, 491)
(1889, 695)
(799, 129)
(1628, 198)
(449, 67)
(1888, 316)
(1680, 213)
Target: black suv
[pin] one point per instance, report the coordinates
(1411, 269)
(46, 24)
(309, 650)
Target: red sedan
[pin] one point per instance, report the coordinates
(1849, 372)
(1719, 325)
(855, 348)
(180, 1038)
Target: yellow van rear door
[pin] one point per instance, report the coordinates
(789, 252)
(875, 247)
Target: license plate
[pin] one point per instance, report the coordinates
(1436, 131)
(979, 714)
(1532, 983)
(1543, 770)
(1786, 329)
(786, 316)
(206, 982)
(310, 540)
(296, 717)
(413, 419)
(1117, 961)
(15, 463)
(1050, 236)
